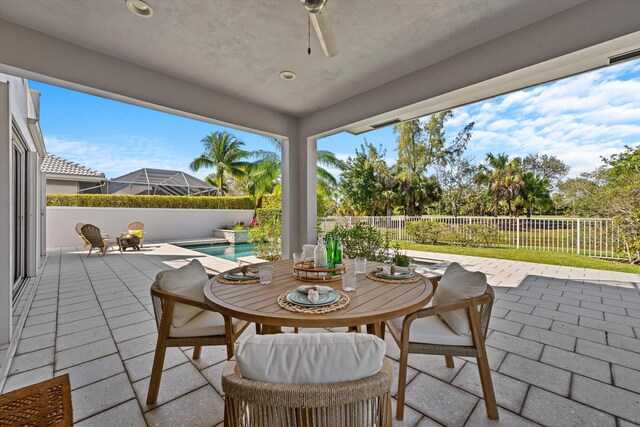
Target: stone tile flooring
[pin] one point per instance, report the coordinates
(564, 347)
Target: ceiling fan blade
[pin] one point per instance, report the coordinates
(322, 26)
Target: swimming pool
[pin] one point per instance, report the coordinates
(228, 252)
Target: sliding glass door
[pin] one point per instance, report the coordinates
(19, 216)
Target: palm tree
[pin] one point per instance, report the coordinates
(493, 173)
(266, 171)
(224, 153)
(534, 193)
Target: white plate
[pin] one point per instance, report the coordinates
(238, 276)
(298, 298)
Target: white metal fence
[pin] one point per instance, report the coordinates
(588, 236)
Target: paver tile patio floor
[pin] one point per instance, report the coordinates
(563, 345)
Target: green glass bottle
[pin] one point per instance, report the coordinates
(337, 253)
(330, 252)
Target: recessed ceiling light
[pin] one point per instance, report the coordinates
(288, 75)
(140, 8)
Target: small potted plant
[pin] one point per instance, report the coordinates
(399, 259)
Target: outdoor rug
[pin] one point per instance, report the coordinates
(43, 404)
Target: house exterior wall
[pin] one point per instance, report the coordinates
(160, 225)
(58, 186)
(18, 122)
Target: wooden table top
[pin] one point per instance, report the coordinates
(371, 303)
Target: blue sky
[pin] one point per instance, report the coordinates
(577, 119)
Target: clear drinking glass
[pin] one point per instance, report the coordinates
(349, 282)
(266, 274)
(361, 265)
(297, 257)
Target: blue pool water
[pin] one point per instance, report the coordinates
(228, 252)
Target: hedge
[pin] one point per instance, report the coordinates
(272, 201)
(143, 201)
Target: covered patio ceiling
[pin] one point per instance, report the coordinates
(219, 61)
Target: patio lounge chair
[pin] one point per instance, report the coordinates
(184, 319)
(92, 234)
(137, 229)
(326, 379)
(424, 332)
(85, 242)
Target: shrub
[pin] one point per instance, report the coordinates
(268, 235)
(273, 201)
(144, 201)
(484, 235)
(426, 231)
(362, 240)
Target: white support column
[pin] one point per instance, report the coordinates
(310, 176)
(299, 216)
(290, 194)
(6, 181)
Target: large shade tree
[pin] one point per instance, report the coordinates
(224, 153)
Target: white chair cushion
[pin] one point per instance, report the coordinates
(457, 284)
(187, 281)
(204, 324)
(432, 330)
(323, 358)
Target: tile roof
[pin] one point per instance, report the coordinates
(59, 166)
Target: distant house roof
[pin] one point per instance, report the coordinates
(58, 167)
(159, 181)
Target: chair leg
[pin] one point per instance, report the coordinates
(487, 387)
(104, 249)
(449, 361)
(402, 384)
(156, 374)
(90, 249)
(197, 350)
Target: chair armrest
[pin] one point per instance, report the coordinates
(443, 308)
(181, 299)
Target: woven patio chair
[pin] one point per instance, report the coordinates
(136, 228)
(85, 242)
(92, 234)
(216, 334)
(360, 402)
(478, 310)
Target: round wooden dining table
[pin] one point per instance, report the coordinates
(371, 303)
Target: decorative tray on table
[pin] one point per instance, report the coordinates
(306, 271)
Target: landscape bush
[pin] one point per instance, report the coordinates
(478, 234)
(362, 240)
(433, 232)
(426, 231)
(144, 201)
(268, 235)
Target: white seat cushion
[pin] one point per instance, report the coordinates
(323, 358)
(204, 324)
(187, 281)
(433, 330)
(457, 284)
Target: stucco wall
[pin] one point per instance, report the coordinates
(160, 225)
(58, 186)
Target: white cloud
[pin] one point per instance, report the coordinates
(579, 119)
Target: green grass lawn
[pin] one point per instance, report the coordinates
(542, 257)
